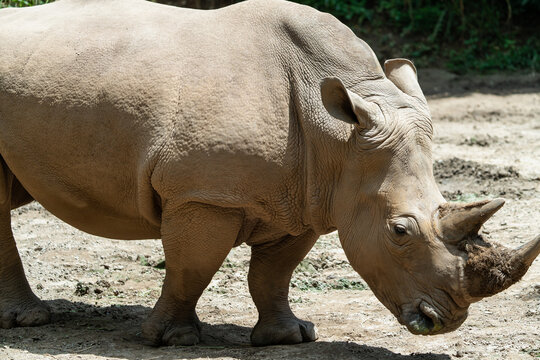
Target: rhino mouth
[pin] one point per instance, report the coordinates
(424, 320)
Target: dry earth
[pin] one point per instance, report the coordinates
(487, 144)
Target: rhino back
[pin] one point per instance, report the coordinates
(94, 95)
(108, 108)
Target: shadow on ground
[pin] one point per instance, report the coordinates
(114, 332)
(438, 83)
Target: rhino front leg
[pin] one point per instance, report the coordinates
(270, 273)
(196, 239)
(18, 304)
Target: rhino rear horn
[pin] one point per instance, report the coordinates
(460, 221)
(403, 74)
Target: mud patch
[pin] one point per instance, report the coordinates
(465, 180)
(450, 168)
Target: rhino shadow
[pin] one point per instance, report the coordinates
(114, 332)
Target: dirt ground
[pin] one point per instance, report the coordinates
(487, 144)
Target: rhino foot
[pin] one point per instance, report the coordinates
(32, 313)
(170, 333)
(283, 332)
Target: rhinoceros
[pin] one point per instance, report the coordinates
(266, 123)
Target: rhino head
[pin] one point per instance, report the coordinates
(421, 256)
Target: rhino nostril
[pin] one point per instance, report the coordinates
(431, 318)
(426, 320)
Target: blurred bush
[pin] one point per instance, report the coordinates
(463, 36)
(481, 35)
(21, 3)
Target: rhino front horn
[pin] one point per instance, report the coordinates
(528, 252)
(458, 221)
(492, 269)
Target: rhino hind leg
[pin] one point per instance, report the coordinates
(18, 304)
(270, 273)
(196, 239)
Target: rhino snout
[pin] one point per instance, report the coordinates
(425, 320)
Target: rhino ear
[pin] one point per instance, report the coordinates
(345, 105)
(403, 74)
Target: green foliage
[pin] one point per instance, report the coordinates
(317, 285)
(481, 35)
(22, 3)
(355, 11)
(503, 55)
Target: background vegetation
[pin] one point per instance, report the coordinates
(463, 36)
(481, 35)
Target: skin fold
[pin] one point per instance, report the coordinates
(267, 123)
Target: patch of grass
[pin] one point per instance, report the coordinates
(306, 266)
(316, 285)
(100, 270)
(466, 197)
(308, 285)
(534, 352)
(143, 260)
(346, 284)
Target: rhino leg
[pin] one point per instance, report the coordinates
(18, 304)
(196, 239)
(270, 273)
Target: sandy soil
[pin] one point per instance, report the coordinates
(487, 144)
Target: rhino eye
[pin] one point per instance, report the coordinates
(400, 229)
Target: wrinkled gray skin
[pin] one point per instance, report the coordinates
(265, 122)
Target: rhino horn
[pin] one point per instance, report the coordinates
(489, 269)
(457, 222)
(492, 269)
(528, 252)
(403, 74)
